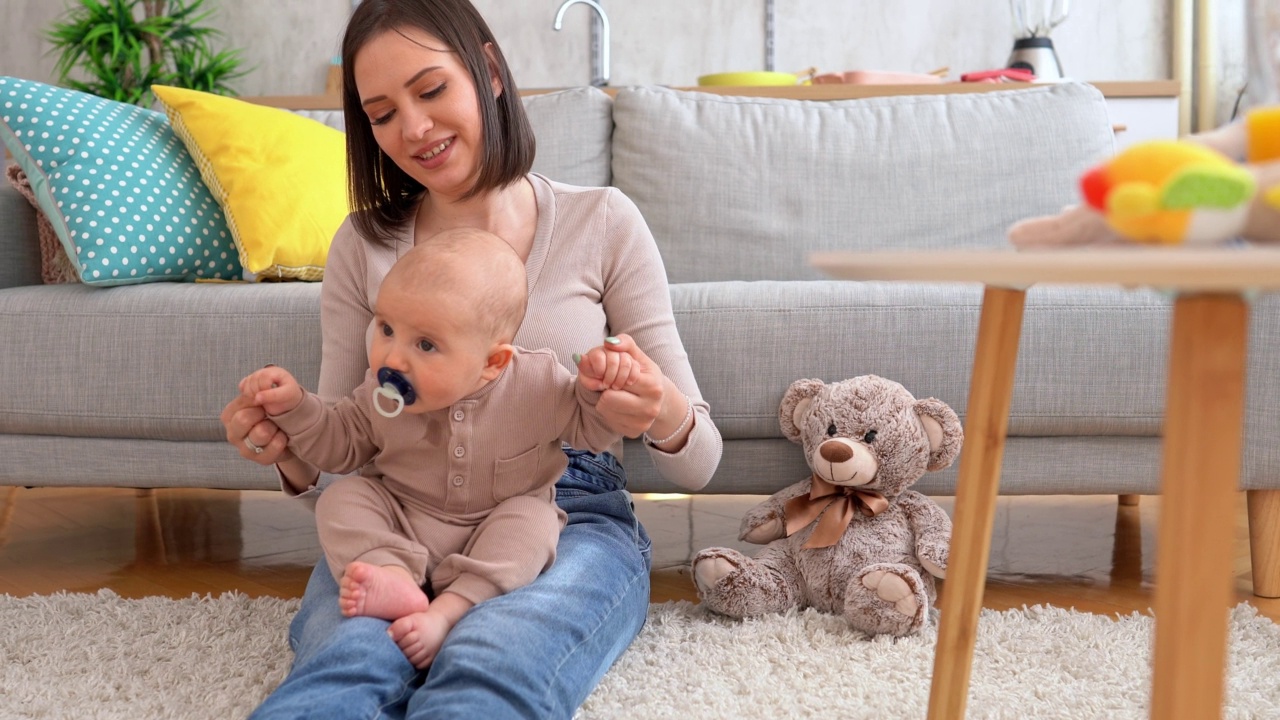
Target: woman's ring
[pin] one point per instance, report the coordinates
(249, 444)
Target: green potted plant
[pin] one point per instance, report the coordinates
(121, 52)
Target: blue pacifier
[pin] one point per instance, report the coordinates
(394, 387)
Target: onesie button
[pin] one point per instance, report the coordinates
(459, 452)
(457, 481)
(458, 415)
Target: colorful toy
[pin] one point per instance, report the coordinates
(852, 539)
(1167, 192)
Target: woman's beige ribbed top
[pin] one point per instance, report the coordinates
(594, 271)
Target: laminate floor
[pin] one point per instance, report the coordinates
(1085, 552)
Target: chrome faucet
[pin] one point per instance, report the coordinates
(768, 35)
(599, 39)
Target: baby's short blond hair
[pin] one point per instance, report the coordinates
(476, 266)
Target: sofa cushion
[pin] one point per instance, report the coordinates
(117, 185)
(1089, 379)
(155, 361)
(574, 129)
(745, 188)
(280, 179)
(168, 359)
(1091, 361)
(1032, 466)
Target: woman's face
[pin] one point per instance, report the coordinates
(422, 106)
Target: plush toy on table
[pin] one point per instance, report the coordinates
(852, 539)
(1184, 192)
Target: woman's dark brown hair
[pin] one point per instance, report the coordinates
(382, 196)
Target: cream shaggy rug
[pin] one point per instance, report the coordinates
(101, 656)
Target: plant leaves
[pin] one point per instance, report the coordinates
(111, 51)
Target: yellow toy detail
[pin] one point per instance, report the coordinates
(1263, 131)
(1262, 128)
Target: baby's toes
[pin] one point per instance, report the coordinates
(420, 659)
(401, 629)
(414, 651)
(410, 645)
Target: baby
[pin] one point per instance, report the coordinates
(457, 436)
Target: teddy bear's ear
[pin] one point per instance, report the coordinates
(795, 405)
(942, 425)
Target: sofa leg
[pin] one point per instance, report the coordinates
(1264, 541)
(6, 513)
(1128, 500)
(1126, 550)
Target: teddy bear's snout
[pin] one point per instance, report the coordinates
(835, 452)
(844, 462)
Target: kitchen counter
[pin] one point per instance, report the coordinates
(1167, 89)
(1110, 89)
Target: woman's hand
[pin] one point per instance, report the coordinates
(248, 427)
(630, 411)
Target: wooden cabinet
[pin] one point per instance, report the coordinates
(1142, 111)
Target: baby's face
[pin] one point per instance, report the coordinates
(432, 341)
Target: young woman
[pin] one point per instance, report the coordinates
(437, 139)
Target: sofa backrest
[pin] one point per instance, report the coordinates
(573, 128)
(738, 188)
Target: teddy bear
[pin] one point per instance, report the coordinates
(852, 539)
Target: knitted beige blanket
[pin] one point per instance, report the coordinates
(55, 266)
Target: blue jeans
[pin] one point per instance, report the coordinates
(536, 652)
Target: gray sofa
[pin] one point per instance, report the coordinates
(122, 386)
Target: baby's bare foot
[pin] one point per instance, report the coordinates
(420, 636)
(381, 592)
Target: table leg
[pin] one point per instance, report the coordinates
(986, 420)
(1203, 419)
(1264, 541)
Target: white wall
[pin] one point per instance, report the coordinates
(674, 41)
(289, 42)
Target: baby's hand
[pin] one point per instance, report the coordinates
(273, 389)
(602, 369)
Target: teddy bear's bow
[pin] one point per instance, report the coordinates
(839, 504)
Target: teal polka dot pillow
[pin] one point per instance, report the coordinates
(118, 186)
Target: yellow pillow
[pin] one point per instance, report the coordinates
(279, 177)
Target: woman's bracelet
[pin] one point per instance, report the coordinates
(688, 417)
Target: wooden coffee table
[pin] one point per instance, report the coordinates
(1202, 442)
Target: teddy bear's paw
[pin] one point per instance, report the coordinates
(765, 532)
(733, 584)
(709, 570)
(893, 590)
(887, 599)
(935, 569)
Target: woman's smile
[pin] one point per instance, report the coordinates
(434, 155)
